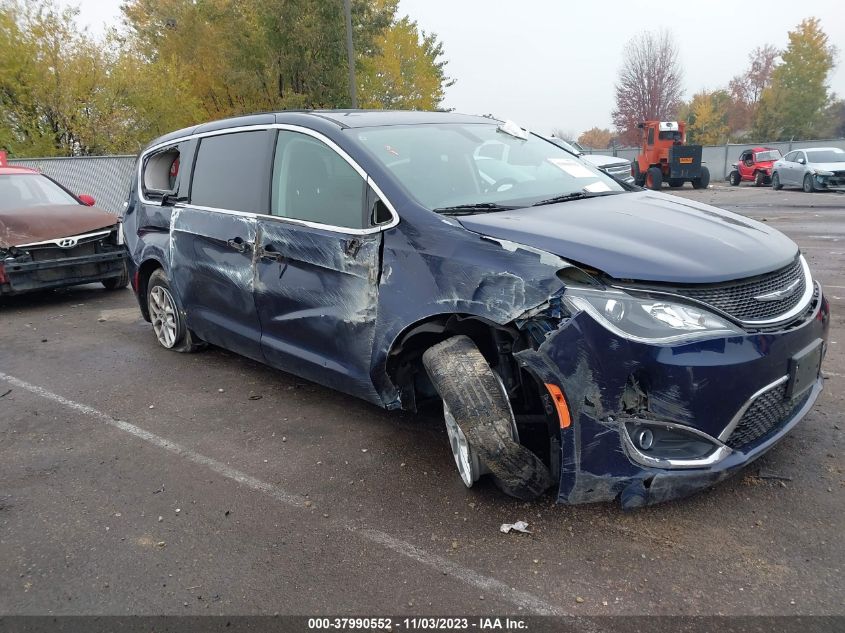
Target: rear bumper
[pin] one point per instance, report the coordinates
(29, 276)
(701, 389)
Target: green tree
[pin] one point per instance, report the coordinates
(407, 73)
(707, 115)
(793, 106)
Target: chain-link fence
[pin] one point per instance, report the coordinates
(106, 178)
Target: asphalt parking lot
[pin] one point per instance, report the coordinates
(136, 480)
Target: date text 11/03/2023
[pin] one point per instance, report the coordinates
(481, 624)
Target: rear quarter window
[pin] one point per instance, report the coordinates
(232, 172)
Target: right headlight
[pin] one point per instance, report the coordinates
(647, 320)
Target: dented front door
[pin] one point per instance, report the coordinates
(316, 291)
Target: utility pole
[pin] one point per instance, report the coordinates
(350, 53)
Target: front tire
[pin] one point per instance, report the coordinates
(809, 187)
(703, 181)
(776, 182)
(654, 178)
(475, 400)
(166, 317)
(759, 179)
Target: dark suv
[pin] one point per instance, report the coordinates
(582, 333)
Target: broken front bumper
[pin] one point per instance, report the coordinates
(21, 274)
(719, 404)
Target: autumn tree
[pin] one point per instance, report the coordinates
(707, 117)
(793, 106)
(596, 138)
(747, 88)
(408, 72)
(650, 83)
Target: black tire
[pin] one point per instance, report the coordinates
(703, 181)
(654, 178)
(470, 388)
(184, 340)
(734, 178)
(759, 179)
(639, 177)
(676, 182)
(776, 182)
(808, 187)
(116, 283)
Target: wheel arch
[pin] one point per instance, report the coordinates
(145, 271)
(404, 358)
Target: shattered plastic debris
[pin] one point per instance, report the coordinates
(519, 526)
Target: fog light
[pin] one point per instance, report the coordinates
(645, 439)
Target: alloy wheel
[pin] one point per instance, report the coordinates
(164, 316)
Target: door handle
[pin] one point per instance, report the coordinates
(238, 244)
(271, 254)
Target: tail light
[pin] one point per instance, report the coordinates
(3, 278)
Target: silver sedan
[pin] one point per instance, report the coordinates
(812, 169)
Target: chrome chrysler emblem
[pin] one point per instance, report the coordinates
(778, 295)
(67, 242)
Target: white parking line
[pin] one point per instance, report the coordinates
(531, 604)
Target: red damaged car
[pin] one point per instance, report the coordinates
(50, 238)
(755, 165)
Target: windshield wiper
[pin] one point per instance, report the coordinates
(469, 209)
(577, 195)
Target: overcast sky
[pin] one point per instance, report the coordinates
(552, 63)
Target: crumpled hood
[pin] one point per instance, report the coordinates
(38, 224)
(645, 236)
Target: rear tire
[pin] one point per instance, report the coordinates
(809, 187)
(116, 283)
(703, 181)
(654, 178)
(776, 182)
(166, 316)
(734, 178)
(477, 403)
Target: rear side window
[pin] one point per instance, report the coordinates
(232, 171)
(161, 173)
(651, 136)
(313, 182)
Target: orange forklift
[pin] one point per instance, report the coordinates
(665, 157)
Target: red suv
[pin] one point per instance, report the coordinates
(755, 165)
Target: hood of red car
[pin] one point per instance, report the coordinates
(50, 222)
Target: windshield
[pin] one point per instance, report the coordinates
(31, 190)
(450, 165)
(826, 156)
(772, 154)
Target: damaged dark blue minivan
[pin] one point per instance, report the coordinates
(580, 333)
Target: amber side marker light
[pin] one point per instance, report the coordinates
(560, 405)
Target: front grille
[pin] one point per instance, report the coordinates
(737, 299)
(619, 171)
(52, 253)
(767, 414)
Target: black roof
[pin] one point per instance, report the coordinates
(341, 118)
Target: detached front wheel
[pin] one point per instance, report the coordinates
(480, 422)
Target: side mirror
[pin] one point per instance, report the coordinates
(87, 200)
(802, 161)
